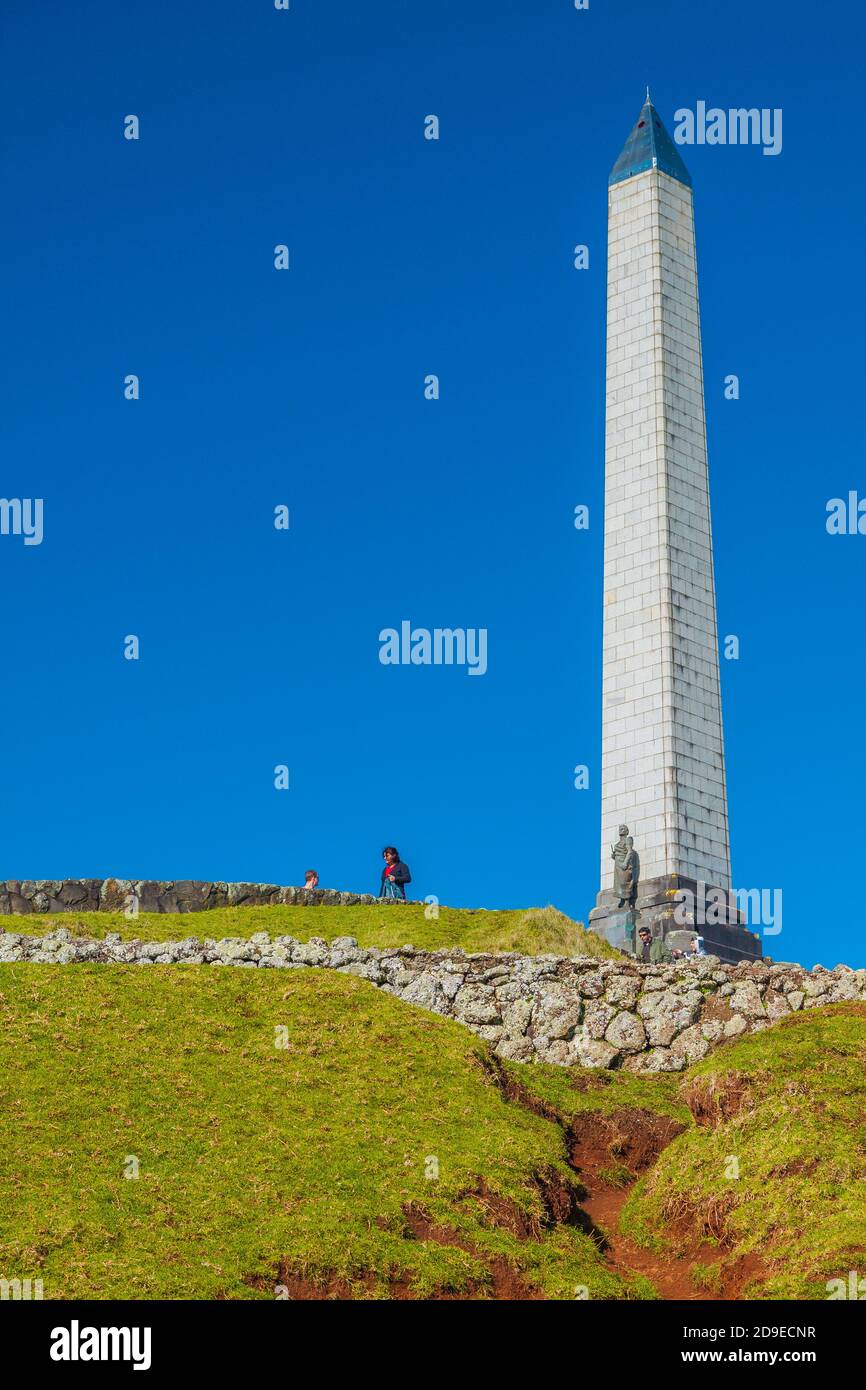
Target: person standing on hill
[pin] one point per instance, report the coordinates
(395, 874)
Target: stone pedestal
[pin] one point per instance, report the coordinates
(660, 906)
(619, 929)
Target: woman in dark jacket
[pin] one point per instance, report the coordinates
(395, 874)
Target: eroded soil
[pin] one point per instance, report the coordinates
(607, 1152)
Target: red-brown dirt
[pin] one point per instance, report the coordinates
(607, 1152)
(629, 1141)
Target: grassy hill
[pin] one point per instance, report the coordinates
(534, 932)
(373, 1150)
(306, 1164)
(784, 1111)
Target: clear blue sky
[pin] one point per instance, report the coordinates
(258, 387)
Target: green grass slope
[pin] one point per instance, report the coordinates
(534, 932)
(259, 1163)
(772, 1176)
(382, 1152)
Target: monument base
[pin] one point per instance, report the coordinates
(660, 906)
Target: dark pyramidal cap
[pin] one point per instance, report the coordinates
(649, 147)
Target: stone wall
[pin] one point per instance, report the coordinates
(578, 1011)
(147, 895)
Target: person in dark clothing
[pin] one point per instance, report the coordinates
(395, 874)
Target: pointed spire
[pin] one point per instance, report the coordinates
(649, 147)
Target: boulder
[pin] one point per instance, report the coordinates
(515, 1049)
(776, 1004)
(312, 952)
(592, 1052)
(426, 991)
(623, 990)
(626, 1033)
(746, 999)
(691, 1045)
(476, 1004)
(597, 1018)
(517, 1016)
(735, 1026)
(660, 1030)
(556, 1013)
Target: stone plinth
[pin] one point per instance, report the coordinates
(659, 907)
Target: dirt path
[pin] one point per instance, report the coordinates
(631, 1140)
(671, 1276)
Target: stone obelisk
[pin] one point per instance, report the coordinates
(663, 762)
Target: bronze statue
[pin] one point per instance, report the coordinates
(634, 862)
(626, 867)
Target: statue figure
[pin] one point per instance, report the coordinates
(634, 860)
(626, 867)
